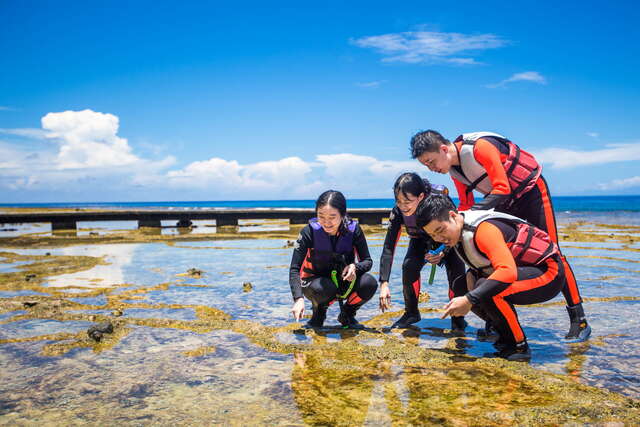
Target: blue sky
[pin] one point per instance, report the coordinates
(144, 101)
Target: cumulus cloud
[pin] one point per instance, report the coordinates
(563, 158)
(527, 76)
(88, 139)
(228, 176)
(430, 46)
(353, 165)
(363, 176)
(619, 184)
(82, 145)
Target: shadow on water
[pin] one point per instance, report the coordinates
(193, 344)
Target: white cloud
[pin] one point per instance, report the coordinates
(5, 108)
(88, 140)
(430, 46)
(374, 85)
(228, 176)
(526, 76)
(593, 134)
(86, 147)
(618, 184)
(356, 175)
(563, 158)
(26, 132)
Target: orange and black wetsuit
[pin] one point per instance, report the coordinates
(511, 282)
(419, 244)
(321, 290)
(533, 206)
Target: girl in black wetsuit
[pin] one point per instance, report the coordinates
(324, 268)
(409, 191)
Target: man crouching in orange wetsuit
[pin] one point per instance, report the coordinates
(511, 181)
(512, 262)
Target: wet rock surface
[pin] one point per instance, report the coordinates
(228, 363)
(96, 332)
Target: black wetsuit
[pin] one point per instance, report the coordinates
(321, 290)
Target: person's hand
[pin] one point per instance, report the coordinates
(298, 309)
(459, 306)
(349, 273)
(434, 259)
(385, 296)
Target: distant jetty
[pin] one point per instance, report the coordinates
(67, 220)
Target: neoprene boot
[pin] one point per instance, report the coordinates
(406, 320)
(347, 317)
(488, 333)
(458, 324)
(317, 318)
(519, 352)
(579, 330)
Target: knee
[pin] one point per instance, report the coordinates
(318, 291)
(411, 266)
(368, 286)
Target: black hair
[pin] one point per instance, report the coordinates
(426, 141)
(411, 183)
(435, 207)
(336, 200)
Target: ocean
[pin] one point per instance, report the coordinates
(561, 204)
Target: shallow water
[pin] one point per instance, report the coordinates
(172, 361)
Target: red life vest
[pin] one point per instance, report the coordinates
(532, 246)
(322, 258)
(522, 169)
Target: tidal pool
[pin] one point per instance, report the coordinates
(192, 345)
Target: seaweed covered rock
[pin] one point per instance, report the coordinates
(97, 331)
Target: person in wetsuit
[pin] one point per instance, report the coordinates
(409, 191)
(513, 262)
(324, 268)
(512, 182)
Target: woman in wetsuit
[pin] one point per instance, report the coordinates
(409, 191)
(324, 268)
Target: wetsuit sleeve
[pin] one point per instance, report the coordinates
(490, 240)
(365, 262)
(390, 242)
(489, 157)
(466, 199)
(301, 247)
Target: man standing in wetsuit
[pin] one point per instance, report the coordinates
(512, 182)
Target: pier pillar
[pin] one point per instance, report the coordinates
(63, 225)
(226, 221)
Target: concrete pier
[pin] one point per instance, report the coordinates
(63, 220)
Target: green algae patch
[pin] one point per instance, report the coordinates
(31, 276)
(200, 351)
(333, 381)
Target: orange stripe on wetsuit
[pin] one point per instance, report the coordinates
(490, 240)
(552, 231)
(492, 160)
